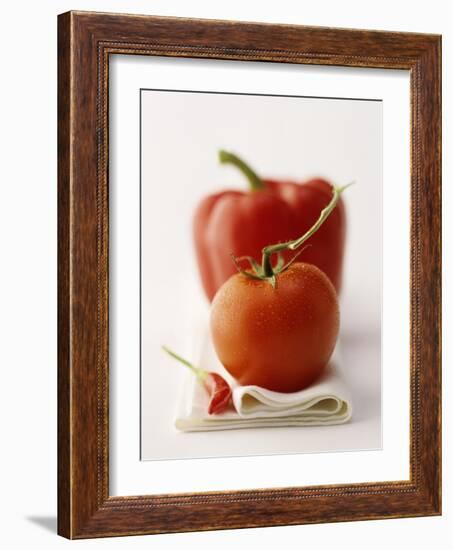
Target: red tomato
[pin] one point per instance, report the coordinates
(278, 338)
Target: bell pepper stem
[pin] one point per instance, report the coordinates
(293, 245)
(199, 373)
(255, 182)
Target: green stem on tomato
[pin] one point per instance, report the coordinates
(200, 373)
(267, 268)
(255, 182)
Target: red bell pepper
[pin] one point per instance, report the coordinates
(241, 223)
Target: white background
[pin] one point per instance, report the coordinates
(129, 476)
(28, 290)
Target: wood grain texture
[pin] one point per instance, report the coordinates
(64, 344)
(86, 40)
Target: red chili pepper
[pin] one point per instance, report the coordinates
(219, 390)
(242, 223)
(217, 387)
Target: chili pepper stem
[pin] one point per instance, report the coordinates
(200, 373)
(255, 182)
(267, 269)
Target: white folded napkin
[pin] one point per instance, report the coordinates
(324, 403)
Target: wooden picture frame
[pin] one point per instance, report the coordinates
(85, 42)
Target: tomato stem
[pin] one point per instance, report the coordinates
(267, 268)
(200, 373)
(255, 182)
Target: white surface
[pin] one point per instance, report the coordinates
(128, 474)
(28, 305)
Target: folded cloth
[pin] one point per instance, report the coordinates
(324, 403)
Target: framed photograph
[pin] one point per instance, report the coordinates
(249, 275)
